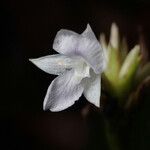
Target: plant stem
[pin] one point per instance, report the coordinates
(112, 137)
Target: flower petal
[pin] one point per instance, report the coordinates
(90, 49)
(54, 64)
(92, 89)
(88, 33)
(85, 45)
(66, 42)
(81, 68)
(63, 92)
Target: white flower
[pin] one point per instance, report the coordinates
(79, 66)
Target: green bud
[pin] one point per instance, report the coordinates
(113, 65)
(114, 36)
(131, 63)
(102, 40)
(128, 71)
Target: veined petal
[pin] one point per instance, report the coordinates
(81, 68)
(88, 33)
(90, 49)
(63, 92)
(92, 54)
(66, 42)
(92, 89)
(54, 64)
(85, 45)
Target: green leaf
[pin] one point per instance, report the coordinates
(113, 65)
(128, 71)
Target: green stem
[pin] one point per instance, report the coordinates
(112, 137)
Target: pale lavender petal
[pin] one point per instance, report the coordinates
(90, 49)
(66, 42)
(92, 89)
(63, 92)
(54, 64)
(81, 68)
(88, 33)
(85, 45)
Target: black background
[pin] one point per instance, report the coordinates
(27, 31)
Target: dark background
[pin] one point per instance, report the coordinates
(27, 30)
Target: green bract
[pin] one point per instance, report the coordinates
(124, 71)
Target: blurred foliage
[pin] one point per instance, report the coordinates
(125, 70)
(125, 96)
